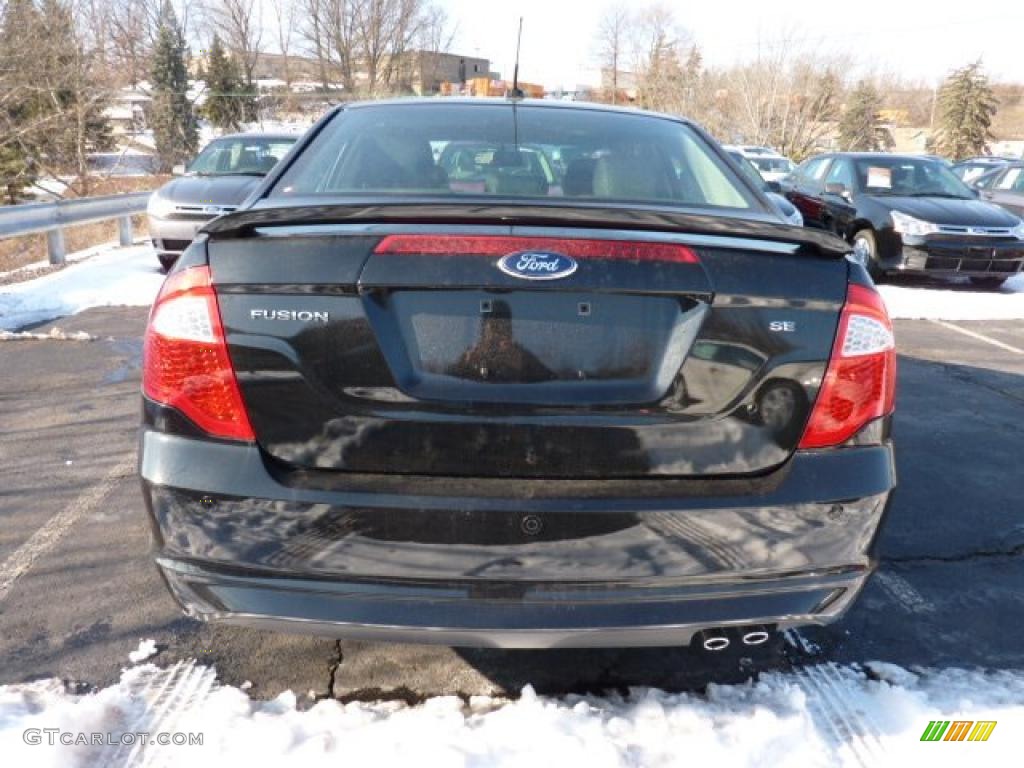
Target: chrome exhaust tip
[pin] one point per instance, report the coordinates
(714, 641)
(755, 636)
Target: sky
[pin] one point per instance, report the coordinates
(917, 39)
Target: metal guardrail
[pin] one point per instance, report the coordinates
(51, 218)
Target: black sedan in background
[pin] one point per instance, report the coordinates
(501, 402)
(908, 214)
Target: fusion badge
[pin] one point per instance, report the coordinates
(302, 315)
(537, 265)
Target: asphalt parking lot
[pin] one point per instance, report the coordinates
(78, 590)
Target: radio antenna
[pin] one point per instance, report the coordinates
(515, 93)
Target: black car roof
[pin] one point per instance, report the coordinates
(494, 101)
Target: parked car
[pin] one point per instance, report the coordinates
(986, 179)
(1005, 187)
(638, 410)
(771, 189)
(216, 182)
(973, 167)
(907, 214)
(770, 164)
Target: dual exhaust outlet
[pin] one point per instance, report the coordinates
(719, 639)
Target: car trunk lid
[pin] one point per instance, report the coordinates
(406, 348)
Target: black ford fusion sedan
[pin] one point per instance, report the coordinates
(611, 400)
(908, 214)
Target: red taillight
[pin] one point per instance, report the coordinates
(185, 357)
(502, 245)
(860, 383)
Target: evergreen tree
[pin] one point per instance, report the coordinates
(17, 171)
(966, 106)
(224, 105)
(860, 128)
(174, 124)
(17, 118)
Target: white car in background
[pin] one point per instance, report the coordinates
(770, 164)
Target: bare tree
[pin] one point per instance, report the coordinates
(52, 96)
(612, 40)
(366, 42)
(285, 14)
(660, 46)
(241, 26)
(132, 29)
(435, 37)
(314, 32)
(386, 30)
(786, 99)
(342, 29)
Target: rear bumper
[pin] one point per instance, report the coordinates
(510, 564)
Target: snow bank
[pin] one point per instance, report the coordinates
(146, 649)
(815, 716)
(116, 277)
(55, 334)
(934, 303)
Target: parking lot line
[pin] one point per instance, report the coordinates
(53, 531)
(980, 337)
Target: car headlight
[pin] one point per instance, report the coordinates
(908, 225)
(1018, 231)
(158, 206)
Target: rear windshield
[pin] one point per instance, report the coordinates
(461, 150)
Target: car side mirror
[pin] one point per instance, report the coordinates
(773, 186)
(178, 170)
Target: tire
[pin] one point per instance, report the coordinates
(992, 283)
(167, 260)
(865, 248)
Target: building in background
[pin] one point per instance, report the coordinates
(431, 69)
(126, 111)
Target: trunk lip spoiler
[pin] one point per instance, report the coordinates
(373, 228)
(753, 226)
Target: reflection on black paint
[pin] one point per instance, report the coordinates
(497, 356)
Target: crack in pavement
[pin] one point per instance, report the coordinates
(956, 371)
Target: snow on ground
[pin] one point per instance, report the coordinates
(935, 302)
(55, 334)
(815, 716)
(113, 277)
(146, 649)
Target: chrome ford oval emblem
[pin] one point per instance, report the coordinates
(537, 265)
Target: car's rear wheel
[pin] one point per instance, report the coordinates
(988, 282)
(865, 250)
(167, 260)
